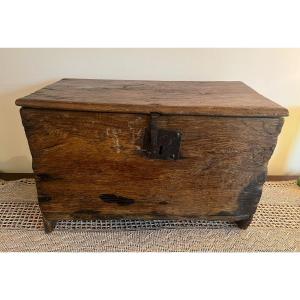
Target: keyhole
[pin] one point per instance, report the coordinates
(160, 150)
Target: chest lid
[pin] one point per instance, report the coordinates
(220, 98)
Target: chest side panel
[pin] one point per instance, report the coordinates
(91, 165)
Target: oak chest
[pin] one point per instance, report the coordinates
(117, 149)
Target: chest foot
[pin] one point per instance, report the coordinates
(48, 225)
(243, 224)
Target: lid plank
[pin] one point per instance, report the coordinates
(222, 98)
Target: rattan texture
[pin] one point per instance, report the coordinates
(28, 216)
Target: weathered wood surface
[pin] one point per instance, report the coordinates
(223, 98)
(17, 176)
(90, 165)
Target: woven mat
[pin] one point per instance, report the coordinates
(275, 227)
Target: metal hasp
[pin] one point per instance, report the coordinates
(161, 143)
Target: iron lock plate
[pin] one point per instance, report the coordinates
(161, 143)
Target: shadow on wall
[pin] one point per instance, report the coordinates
(288, 140)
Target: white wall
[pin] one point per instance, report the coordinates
(275, 73)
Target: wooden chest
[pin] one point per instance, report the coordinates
(149, 149)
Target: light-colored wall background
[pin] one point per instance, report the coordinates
(275, 73)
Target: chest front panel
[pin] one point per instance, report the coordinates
(92, 165)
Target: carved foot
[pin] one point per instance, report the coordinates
(48, 225)
(243, 224)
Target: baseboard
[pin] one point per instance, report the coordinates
(15, 176)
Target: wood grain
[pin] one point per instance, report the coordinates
(220, 98)
(16, 176)
(91, 165)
